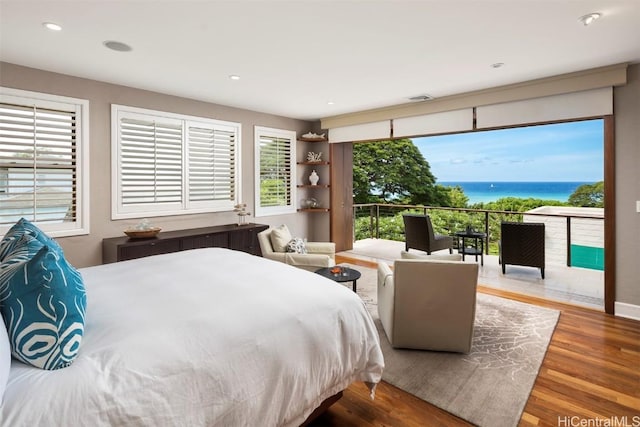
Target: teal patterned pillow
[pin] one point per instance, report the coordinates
(24, 248)
(12, 238)
(43, 305)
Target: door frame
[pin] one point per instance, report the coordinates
(342, 201)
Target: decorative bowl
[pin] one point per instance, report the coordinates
(143, 234)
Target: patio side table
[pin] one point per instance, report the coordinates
(475, 245)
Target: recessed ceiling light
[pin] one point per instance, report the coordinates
(589, 18)
(329, 102)
(117, 46)
(497, 65)
(52, 26)
(234, 77)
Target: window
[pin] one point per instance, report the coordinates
(275, 173)
(171, 164)
(4, 180)
(44, 162)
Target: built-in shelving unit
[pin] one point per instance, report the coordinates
(322, 168)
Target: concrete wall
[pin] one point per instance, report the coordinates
(84, 251)
(627, 158)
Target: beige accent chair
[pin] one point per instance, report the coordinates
(273, 244)
(428, 304)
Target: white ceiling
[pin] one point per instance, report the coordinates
(294, 57)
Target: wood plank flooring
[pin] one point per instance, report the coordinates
(591, 371)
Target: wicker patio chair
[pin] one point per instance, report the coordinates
(522, 243)
(419, 235)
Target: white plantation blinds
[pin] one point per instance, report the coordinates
(151, 162)
(169, 164)
(40, 163)
(275, 177)
(212, 160)
(275, 171)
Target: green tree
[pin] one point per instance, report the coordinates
(517, 204)
(393, 171)
(457, 198)
(588, 195)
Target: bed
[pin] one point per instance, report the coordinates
(209, 337)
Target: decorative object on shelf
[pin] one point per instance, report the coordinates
(314, 157)
(310, 136)
(142, 230)
(309, 203)
(241, 210)
(314, 178)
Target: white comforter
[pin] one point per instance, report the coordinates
(204, 337)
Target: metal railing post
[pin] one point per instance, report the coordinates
(371, 221)
(353, 221)
(486, 231)
(568, 241)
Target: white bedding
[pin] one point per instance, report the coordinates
(204, 337)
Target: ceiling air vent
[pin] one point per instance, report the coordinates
(421, 98)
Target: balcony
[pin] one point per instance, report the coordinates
(567, 229)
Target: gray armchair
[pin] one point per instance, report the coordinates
(522, 243)
(419, 234)
(428, 304)
(319, 254)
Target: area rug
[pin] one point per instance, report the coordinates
(489, 386)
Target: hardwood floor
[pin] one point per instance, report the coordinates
(591, 372)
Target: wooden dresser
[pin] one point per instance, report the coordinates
(239, 237)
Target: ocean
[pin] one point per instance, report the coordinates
(491, 191)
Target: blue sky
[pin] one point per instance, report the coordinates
(559, 152)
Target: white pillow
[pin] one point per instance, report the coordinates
(435, 257)
(280, 237)
(5, 358)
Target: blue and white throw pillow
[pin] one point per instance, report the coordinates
(12, 238)
(43, 305)
(23, 249)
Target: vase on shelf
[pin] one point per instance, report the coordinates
(314, 178)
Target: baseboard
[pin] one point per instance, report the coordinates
(630, 311)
